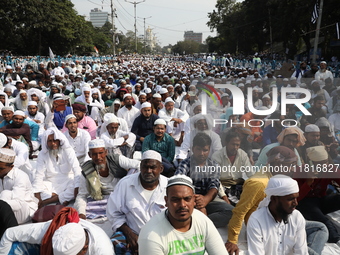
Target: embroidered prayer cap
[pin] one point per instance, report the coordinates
(68, 239)
(151, 154)
(181, 179)
(317, 153)
(7, 108)
(7, 155)
(3, 140)
(96, 143)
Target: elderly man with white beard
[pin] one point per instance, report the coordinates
(175, 120)
(58, 171)
(21, 101)
(116, 140)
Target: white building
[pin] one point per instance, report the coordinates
(98, 18)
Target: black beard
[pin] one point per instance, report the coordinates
(282, 214)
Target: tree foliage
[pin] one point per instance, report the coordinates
(186, 47)
(248, 27)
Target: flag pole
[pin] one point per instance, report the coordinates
(316, 40)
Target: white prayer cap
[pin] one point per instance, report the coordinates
(314, 81)
(86, 87)
(224, 95)
(32, 82)
(126, 95)
(323, 62)
(279, 185)
(57, 96)
(163, 91)
(169, 86)
(285, 79)
(22, 92)
(3, 140)
(266, 96)
(258, 79)
(248, 81)
(177, 85)
(147, 90)
(240, 85)
(142, 94)
(293, 78)
(20, 113)
(159, 122)
(32, 103)
(7, 108)
(260, 90)
(69, 116)
(180, 179)
(96, 143)
(9, 67)
(262, 108)
(145, 105)
(151, 154)
(25, 79)
(272, 85)
(117, 101)
(290, 96)
(317, 153)
(168, 99)
(156, 95)
(110, 118)
(303, 85)
(312, 128)
(68, 239)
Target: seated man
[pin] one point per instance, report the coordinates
(163, 143)
(21, 150)
(18, 130)
(78, 138)
(178, 229)
(84, 122)
(16, 189)
(136, 199)
(233, 158)
(312, 135)
(128, 112)
(65, 234)
(314, 202)
(57, 172)
(35, 115)
(99, 179)
(117, 141)
(276, 227)
(143, 124)
(206, 182)
(175, 119)
(59, 111)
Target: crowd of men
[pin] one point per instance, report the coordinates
(155, 148)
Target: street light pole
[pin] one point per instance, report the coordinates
(113, 29)
(145, 32)
(134, 4)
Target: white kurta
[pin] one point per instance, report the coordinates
(60, 177)
(267, 236)
(99, 242)
(21, 160)
(80, 144)
(127, 204)
(128, 115)
(171, 129)
(16, 190)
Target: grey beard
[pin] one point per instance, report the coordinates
(113, 136)
(54, 153)
(100, 167)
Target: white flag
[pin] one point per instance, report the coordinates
(315, 13)
(51, 53)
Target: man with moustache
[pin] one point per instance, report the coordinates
(136, 199)
(180, 229)
(276, 227)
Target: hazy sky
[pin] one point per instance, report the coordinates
(170, 18)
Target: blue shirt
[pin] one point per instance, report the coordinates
(34, 127)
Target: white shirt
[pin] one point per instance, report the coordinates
(128, 115)
(18, 183)
(80, 144)
(58, 71)
(322, 76)
(99, 242)
(267, 236)
(171, 129)
(334, 120)
(21, 160)
(62, 174)
(159, 237)
(127, 203)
